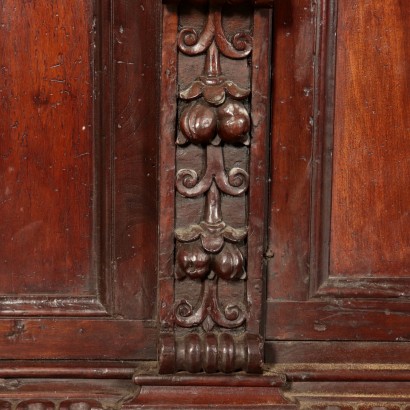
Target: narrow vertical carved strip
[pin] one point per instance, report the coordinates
(216, 329)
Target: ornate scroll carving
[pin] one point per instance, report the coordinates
(206, 309)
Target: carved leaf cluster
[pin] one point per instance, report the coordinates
(215, 115)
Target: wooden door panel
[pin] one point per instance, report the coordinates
(47, 149)
(78, 175)
(364, 210)
(371, 163)
(339, 246)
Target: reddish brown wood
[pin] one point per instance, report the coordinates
(167, 162)
(67, 369)
(292, 95)
(47, 149)
(195, 397)
(73, 338)
(308, 299)
(78, 268)
(351, 396)
(339, 361)
(258, 166)
(362, 355)
(65, 394)
(211, 353)
(342, 319)
(218, 268)
(361, 283)
(321, 183)
(218, 380)
(369, 236)
(229, 392)
(134, 82)
(88, 194)
(212, 112)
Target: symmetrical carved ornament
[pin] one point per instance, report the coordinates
(213, 114)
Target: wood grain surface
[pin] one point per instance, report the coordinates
(46, 162)
(370, 233)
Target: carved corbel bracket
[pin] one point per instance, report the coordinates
(214, 131)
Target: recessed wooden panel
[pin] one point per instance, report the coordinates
(370, 235)
(46, 147)
(78, 158)
(347, 279)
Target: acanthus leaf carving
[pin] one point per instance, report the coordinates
(219, 115)
(213, 115)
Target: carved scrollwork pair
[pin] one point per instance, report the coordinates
(206, 307)
(214, 116)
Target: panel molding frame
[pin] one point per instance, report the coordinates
(115, 317)
(322, 283)
(99, 302)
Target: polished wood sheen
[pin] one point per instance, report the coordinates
(47, 149)
(78, 266)
(213, 170)
(192, 188)
(287, 249)
(370, 204)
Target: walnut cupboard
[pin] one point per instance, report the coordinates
(205, 203)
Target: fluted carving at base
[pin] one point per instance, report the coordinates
(210, 352)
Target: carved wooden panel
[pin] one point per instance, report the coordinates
(214, 130)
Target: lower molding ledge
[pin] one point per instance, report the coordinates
(351, 395)
(238, 391)
(64, 394)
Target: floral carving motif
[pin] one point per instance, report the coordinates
(202, 124)
(214, 256)
(215, 113)
(235, 183)
(208, 312)
(212, 85)
(219, 115)
(208, 250)
(205, 286)
(191, 43)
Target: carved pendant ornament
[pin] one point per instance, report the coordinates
(212, 114)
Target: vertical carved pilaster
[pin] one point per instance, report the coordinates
(213, 168)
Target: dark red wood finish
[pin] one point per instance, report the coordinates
(47, 150)
(369, 234)
(79, 237)
(214, 129)
(97, 125)
(329, 279)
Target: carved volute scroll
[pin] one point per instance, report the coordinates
(213, 134)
